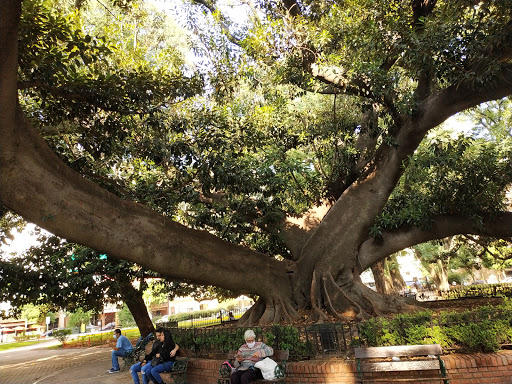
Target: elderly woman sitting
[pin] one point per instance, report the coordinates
(249, 354)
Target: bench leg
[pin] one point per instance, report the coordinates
(128, 362)
(179, 379)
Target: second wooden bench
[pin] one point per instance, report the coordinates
(375, 363)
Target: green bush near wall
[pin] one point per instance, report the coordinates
(480, 330)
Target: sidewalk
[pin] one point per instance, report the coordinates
(61, 366)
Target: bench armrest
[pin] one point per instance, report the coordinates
(280, 370)
(179, 365)
(225, 370)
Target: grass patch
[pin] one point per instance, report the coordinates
(6, 346)
(95, 339)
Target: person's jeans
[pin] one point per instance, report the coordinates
(134, 371)
(145, 372)
(245, 377)
(156, 371)
(115, 354)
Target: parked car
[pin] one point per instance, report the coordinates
(91, 328)
(47, 333)
(163, 319)
(109, 326)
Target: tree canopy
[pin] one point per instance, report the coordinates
(298, 149)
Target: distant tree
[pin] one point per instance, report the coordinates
(74, 278)
(79, 317)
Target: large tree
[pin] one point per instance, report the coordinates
(400, 68)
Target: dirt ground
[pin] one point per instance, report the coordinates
(462, 304)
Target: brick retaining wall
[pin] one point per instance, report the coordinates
(493, 368)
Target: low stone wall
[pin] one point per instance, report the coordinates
(493, 368)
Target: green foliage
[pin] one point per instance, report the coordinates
(9, 222)
(62, 334)
(479, 290)
(480, 330)
(277, 336)
(30, 312)
(464, 177)
(79, 317)
(125, 317)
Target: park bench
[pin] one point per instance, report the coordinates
(388, 364)
(178, 373)
(279, 356)
(133, 356)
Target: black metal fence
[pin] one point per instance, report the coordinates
(483, 330)
(198, 320)
(303, 342)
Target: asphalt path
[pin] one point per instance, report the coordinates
(36, 364)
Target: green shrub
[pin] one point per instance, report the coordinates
(62, 334)
(476, 337)
(480, 330)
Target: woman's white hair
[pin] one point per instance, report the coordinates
(249, 334)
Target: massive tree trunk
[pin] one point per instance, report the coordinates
(324, 277)
(133, 299)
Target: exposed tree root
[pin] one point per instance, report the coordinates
(315, 294)
(327, 299)
(354, 301)
(270, 311)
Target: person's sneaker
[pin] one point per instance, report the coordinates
(112, 370)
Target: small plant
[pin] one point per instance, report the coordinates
(62, 334)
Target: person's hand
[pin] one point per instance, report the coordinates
(173, 352)
(239, 358)
(157, 355)
(255, 354)
(143, 363)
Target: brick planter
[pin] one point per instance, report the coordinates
(492, 368)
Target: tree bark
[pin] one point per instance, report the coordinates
(382, 282)
(133, 299)
(397, 280)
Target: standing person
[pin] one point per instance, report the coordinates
(123, 345)
(249, 354)
(164, 348)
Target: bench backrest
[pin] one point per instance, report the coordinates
(398, 351)
(365, 364)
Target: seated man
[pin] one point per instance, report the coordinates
(123, 345)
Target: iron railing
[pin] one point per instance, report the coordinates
(337, 339)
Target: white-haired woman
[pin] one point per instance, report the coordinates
(249, 354)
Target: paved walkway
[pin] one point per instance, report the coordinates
(60, 366)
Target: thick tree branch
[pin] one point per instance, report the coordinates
(374, 250)
(440, 106)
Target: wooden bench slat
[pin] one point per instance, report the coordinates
(401, 379)
(401, 350)
(395, 366)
